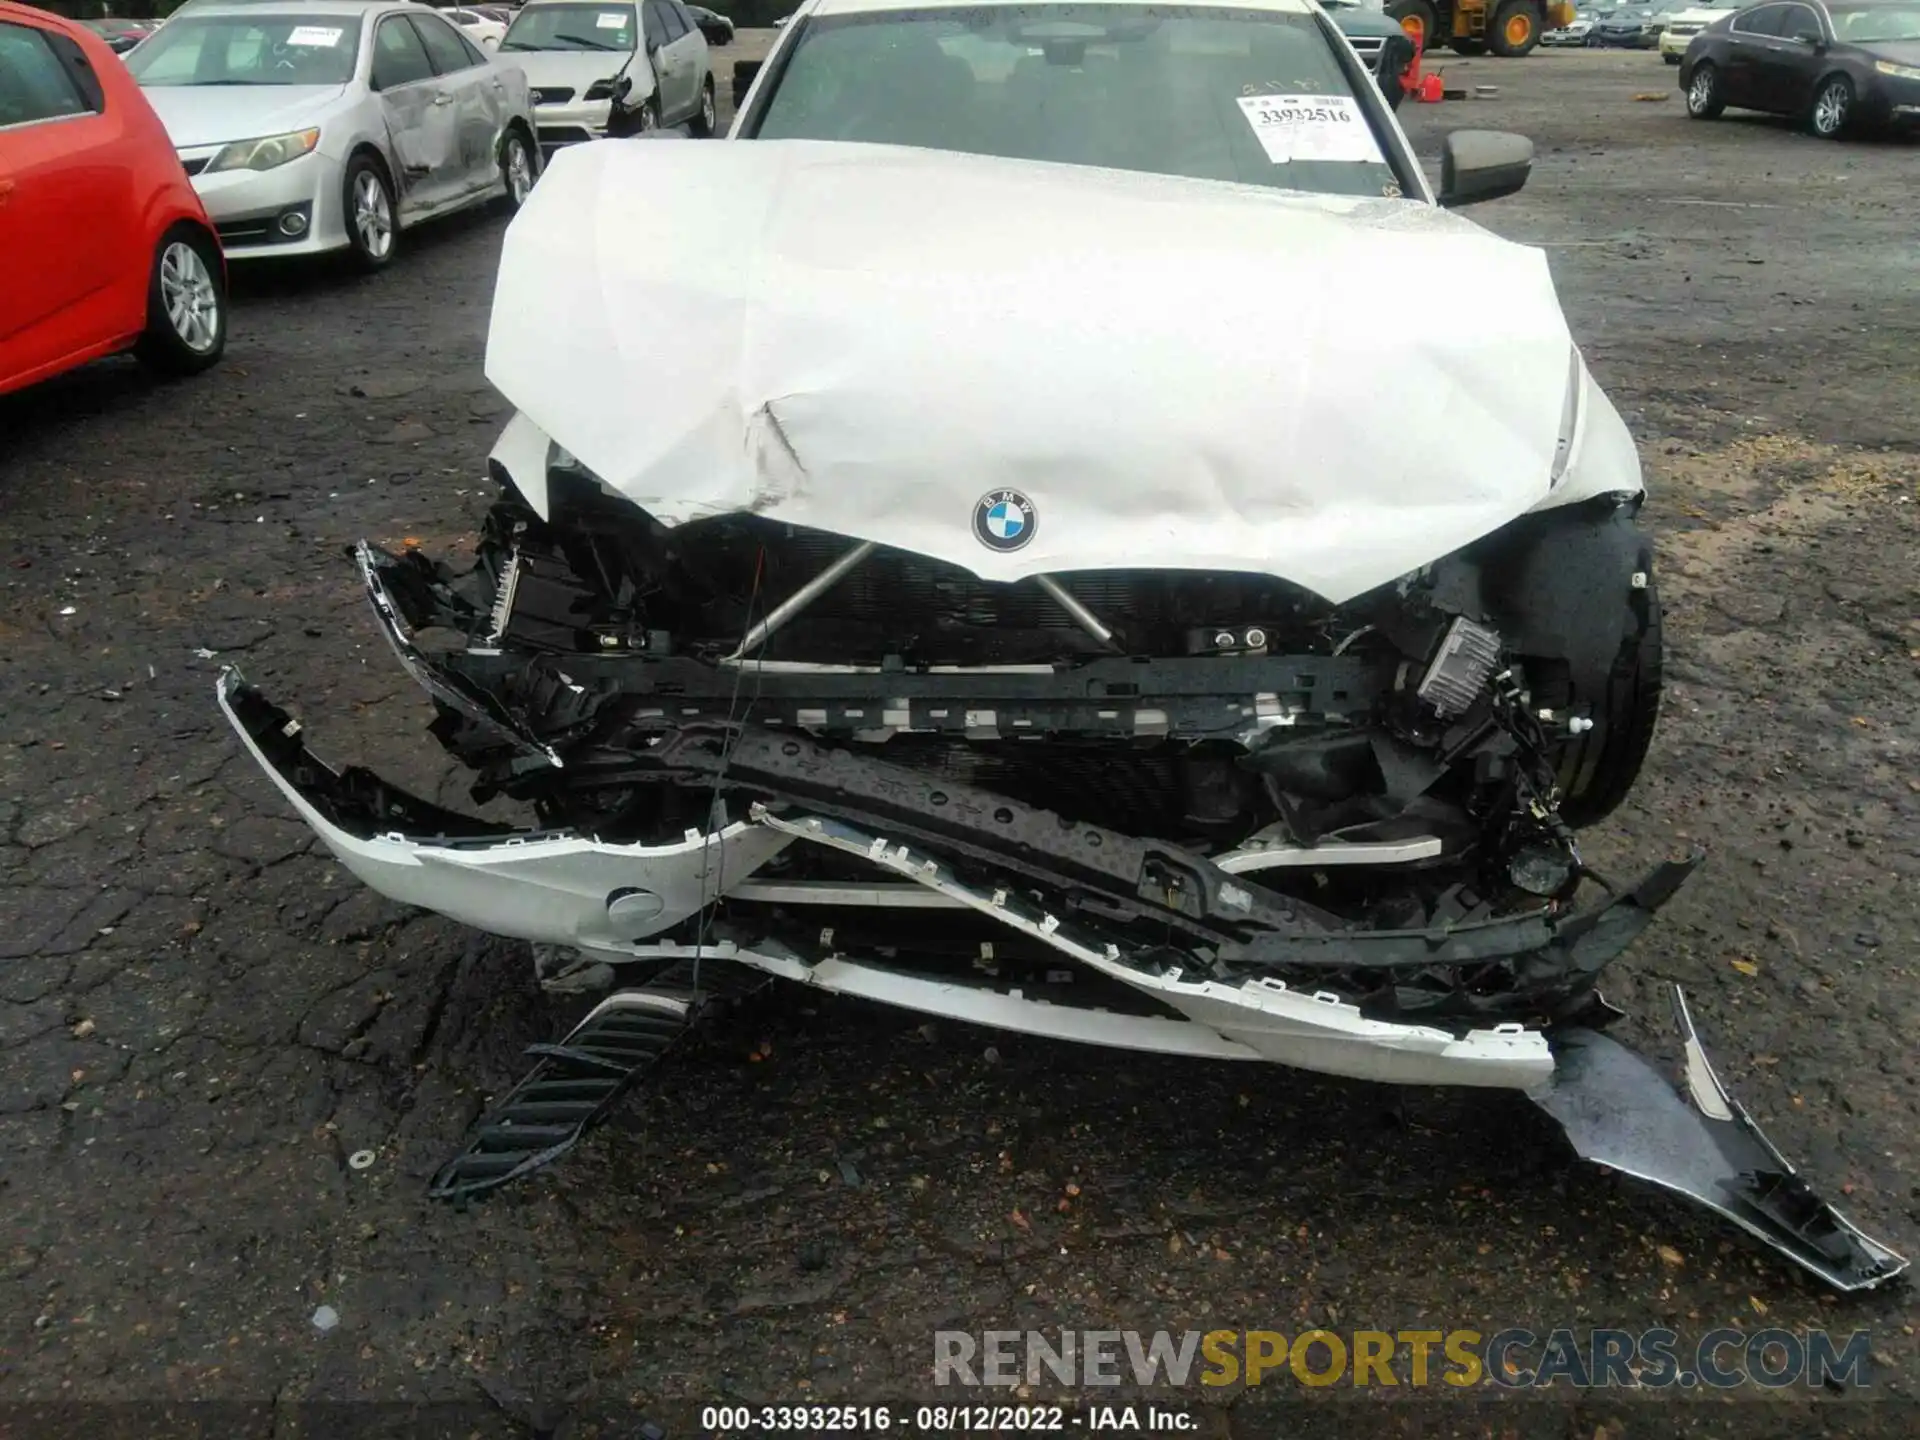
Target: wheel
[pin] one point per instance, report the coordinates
(516, 168)
(1832, 109)
(708, 120)
(186, 304)
(1703, 92)
(647, 119)
(372, 233)
(1598, 770)
(1419, 19)
(1515, 28)
(1671, 59)
(1468, 45)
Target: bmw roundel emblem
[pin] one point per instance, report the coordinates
(1005, 520)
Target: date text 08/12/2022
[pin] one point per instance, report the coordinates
(943, 1419)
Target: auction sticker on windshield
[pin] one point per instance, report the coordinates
(314, 35)
(611, 20)
(1310, 127)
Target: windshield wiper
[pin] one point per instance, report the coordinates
(588, 41)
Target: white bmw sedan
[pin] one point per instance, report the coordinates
(312, 127)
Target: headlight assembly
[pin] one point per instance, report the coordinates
(1899, 72)
(264, 154)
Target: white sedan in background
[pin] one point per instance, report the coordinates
(1685, 23)
(319, 125)
(480, 26)
(611, 68)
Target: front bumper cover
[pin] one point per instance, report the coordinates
(562, 888)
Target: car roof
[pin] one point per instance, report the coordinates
(866, 7)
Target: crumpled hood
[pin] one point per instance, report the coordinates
(575, 69)
(870, 339)
(215, 114)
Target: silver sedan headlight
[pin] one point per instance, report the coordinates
(264, 154)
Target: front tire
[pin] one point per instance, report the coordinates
(186, 304)
(1515, 30)
(1671, 59)
(707, 120)
(1469, 46)
(1703, 92)
(1832, 109)
(373, 231)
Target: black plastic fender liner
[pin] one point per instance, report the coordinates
(1700, 1142)
(1557, 583)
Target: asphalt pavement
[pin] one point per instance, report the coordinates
(202, 1016)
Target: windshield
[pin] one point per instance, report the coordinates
(1866, 24)
(249, 50)
(574, 27)
(1253, 96)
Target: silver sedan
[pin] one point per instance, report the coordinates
(317, 125)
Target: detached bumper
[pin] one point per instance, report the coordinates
(614, 901)
(610, 901)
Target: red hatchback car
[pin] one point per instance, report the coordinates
(104, 246)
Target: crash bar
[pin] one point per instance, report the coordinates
(1069, 602)
(800, 599)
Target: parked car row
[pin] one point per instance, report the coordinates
(242, 129)
(1637, 27)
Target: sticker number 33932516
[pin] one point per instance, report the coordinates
(1310, 127)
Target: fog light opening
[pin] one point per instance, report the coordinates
(294, 222)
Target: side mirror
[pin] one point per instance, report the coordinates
(1478, 165)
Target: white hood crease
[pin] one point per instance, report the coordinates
(1178, 373)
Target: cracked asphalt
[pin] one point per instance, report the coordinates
(202, 1016)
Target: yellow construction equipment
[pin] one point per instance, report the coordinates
(1475, 27)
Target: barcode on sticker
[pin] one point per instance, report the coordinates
(314, 35)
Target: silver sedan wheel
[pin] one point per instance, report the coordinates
(519, 170)
(187, 291)
(1830, 110)
(648, 121)
(372, 215)
(709, 116)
